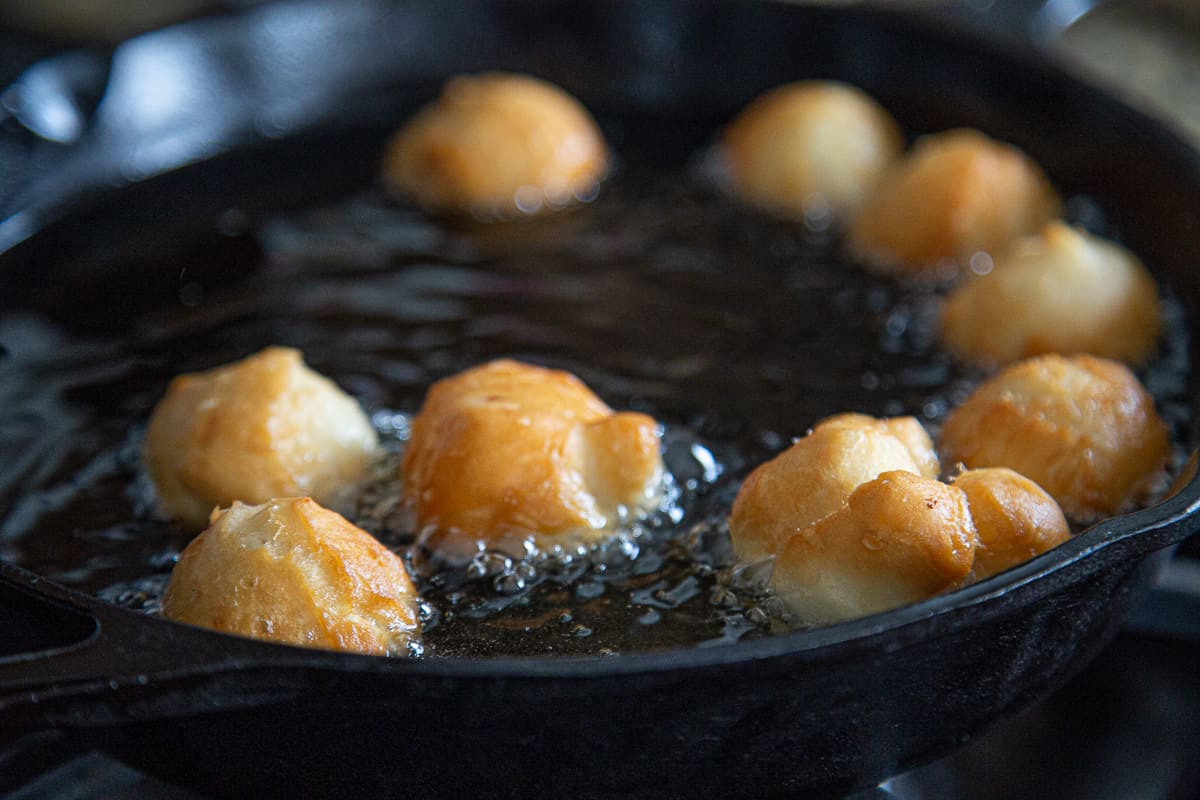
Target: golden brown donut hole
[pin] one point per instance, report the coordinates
(497, 145)
(264, 427)
(955, 194)
(291, 572)
(506, 450)
(1015, 519)
(1082, 428)
(810, 147)
(1060, 291)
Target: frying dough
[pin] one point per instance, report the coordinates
(957, 193)
(1015, 519)
(898, 539)
(497, 144)
(815, 476)
(289, 571)
(808, 146)
(507, 450)
(263, 427)
(1082, 428)
(1061, 291)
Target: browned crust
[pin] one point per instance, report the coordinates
(1082, 428)
(513, 449)
(289, 571)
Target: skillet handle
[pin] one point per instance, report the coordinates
(1163, 525)
(1172, 609)
(55, 98)
(53, 103)
(71, 662)
(1037, 23)
(27, 756)
(50, 642)
(33, 630)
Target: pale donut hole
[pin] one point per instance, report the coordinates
(901, 538)
(956, 194)
(264, 427)
(811, 148)
(1061, 291)
(814, 477)
(898, 539)
(291, 572)
(497, 145)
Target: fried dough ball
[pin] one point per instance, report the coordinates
(263, 427)
(1015, 519)
(1082, 428)
(898, 539)
(814, 477)
(506, 450)
(1061, 291)
(957, 193)
(497, 144)
(814, 144)
(289, 571)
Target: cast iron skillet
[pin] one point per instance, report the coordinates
(821, 711)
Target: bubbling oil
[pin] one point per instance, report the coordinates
(735, 330)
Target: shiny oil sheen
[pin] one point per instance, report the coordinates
(735, 330)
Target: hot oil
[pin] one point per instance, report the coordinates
(735, 330)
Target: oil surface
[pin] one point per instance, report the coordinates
(735, 330)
